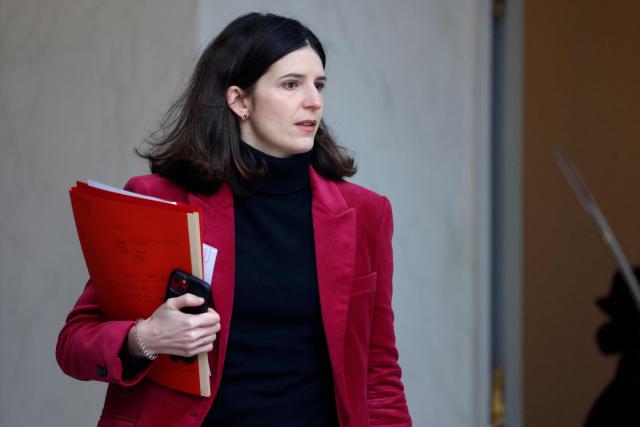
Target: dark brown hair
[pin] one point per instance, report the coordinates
(198, 143)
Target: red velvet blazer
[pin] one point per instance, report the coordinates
(352, 231)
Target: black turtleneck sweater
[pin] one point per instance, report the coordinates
(277, 370)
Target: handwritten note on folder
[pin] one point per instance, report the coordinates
(130, 244)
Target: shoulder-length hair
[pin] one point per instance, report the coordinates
(198, 143)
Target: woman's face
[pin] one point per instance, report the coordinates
(286, 105)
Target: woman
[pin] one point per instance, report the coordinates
(302, 285)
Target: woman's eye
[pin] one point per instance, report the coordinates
(291, 84)
(320, 86)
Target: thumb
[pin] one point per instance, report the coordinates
(186, 300)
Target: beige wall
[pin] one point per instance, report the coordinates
(81, 84)
(581, 93)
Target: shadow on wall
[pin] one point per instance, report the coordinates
(617, 405)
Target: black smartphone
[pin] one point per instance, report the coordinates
(180, 283)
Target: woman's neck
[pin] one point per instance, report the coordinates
(284, 174)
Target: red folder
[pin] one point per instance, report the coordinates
(130, 246)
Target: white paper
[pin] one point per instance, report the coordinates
(106, 187)
(209, 254)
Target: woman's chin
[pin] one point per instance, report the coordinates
(305, 144)
(299, 146)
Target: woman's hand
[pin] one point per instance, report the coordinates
(170, 331)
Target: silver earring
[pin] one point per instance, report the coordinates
(244, 117)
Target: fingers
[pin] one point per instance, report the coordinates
(202, 336)
(202, 349)
(185, 334)
(191, 343)
(210, 318)
(202, 344)
(186, 300)
(201, 339)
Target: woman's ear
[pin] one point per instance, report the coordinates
(237, 101)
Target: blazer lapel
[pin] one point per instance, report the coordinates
(334, 229)
(219, 231)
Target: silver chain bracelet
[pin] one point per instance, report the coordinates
(148, 354)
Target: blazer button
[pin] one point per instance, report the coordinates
(101, 370)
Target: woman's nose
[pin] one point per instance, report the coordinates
(313, 98)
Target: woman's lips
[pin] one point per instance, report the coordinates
(307, 129)
(308, 126)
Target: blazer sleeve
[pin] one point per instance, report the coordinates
(90, 347)
(385, 393)
(93, 348)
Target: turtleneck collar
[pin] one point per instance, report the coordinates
(285, 175)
